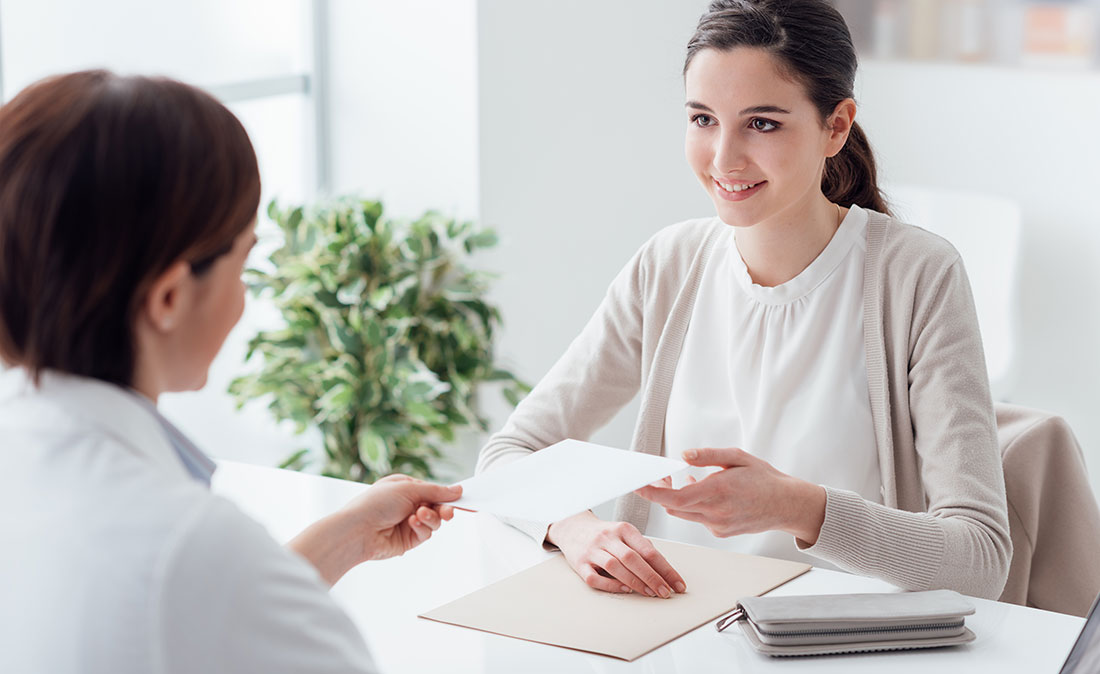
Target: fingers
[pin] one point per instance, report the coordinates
(619, 572)
(726, 457)
(656, 560)
(688, 515)
(429, 517)
(670, 498)
(644, 578)
(422, 531)
(395, 477)
(615, 557)
(592, 577)
(426, 492)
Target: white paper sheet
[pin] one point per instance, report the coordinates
(562, 480)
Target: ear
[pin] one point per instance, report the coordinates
(169, 298)
(839, 125)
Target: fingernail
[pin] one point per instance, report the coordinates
(649, 592)
(624, 588)
(690, 454)
(665, 592)
(681, 588)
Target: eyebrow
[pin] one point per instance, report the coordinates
(754, 110)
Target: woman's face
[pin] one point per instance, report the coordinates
(218, 306)
(754, 139)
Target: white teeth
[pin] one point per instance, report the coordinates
(737, 188)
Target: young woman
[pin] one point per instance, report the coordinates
(127, 209)
(816, 359)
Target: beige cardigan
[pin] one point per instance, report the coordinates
(944, 522)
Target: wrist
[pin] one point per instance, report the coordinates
(808, 512)
(559, 530)
(331, 546)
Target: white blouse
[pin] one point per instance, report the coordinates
(781, 373)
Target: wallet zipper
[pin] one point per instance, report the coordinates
(861, 630)
(739, 614)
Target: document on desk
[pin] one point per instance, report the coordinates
(562, 480)
(549, 604)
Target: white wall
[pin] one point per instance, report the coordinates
(403, 103)
(581, 126)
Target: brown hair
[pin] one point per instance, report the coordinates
(812, 44)
(105, 182)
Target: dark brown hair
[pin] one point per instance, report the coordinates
(105, 182)
(812, 44)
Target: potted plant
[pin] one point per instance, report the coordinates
(388, 336)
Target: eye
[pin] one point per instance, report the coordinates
(762, 125)
(703, 120)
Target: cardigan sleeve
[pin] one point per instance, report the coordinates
(598, 375)
(961, 541)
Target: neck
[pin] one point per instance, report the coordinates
(145, 381)
(778, 249)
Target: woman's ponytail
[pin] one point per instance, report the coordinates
(850, 177)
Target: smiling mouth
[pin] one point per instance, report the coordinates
(737, 187)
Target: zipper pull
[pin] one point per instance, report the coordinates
(737, 614)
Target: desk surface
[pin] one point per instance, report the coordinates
(473, 550)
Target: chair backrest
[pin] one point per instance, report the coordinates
(1053, 516)
(986, 232)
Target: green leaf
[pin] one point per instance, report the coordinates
(373, 451)
(380, 298)
(486, 238)
(296, 461)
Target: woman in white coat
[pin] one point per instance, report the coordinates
(127, 209)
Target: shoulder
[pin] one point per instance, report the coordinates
(910, 263)
(219, 548)
(686, 236)
(673, 250)
(905, 244)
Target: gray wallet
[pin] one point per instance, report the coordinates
(852, 623)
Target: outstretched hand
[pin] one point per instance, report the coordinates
(748, 495)
(399, 513)
(393, 516)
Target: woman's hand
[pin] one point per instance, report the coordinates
(396, 514)
(614, 556)
(748, 496)
(399, 513)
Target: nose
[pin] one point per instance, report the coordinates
(729, 154)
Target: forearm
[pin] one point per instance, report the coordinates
(330, 545)
(915, 551)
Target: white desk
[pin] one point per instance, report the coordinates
(474, 550)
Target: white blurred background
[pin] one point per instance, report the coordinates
(561, 125)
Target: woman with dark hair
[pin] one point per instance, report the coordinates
(127, 209)
(816, 361)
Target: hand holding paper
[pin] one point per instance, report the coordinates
(562, 480)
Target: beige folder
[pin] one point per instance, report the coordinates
(549, 604)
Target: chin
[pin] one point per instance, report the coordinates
(736, 215)
(194, 384)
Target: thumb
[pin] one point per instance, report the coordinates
(726, 457)
(426, 492)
